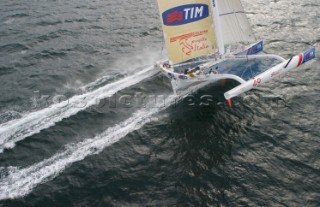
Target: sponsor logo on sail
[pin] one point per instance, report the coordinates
(308, 55)
(255, 48)
(185, 14)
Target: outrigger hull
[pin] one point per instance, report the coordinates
(277, 71)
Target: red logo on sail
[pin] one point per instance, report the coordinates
(174, 16)
(192, 42)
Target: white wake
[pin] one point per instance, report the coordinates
(16, 130)
(19, 182)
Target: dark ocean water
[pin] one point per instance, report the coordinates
(83, 122)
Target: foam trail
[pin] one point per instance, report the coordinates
(20, 182)
(16, 130)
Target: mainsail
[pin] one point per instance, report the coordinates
(188, 28)
(235, 27)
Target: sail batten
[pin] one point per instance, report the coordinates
(235, 25)
(236, 12)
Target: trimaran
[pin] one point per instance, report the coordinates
(212, 40)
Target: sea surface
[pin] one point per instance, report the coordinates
(86, 119)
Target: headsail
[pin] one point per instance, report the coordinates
(234, 23)
(188, 28)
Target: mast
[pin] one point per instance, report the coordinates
(217, 25)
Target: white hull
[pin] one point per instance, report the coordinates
(181, 80)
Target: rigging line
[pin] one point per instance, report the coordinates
(237, 19)
(162, 47)
(233, 26)
(235, 15)
(252, 74)
(243, 73)
(250, 28)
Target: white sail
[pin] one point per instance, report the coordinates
(235, 27)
